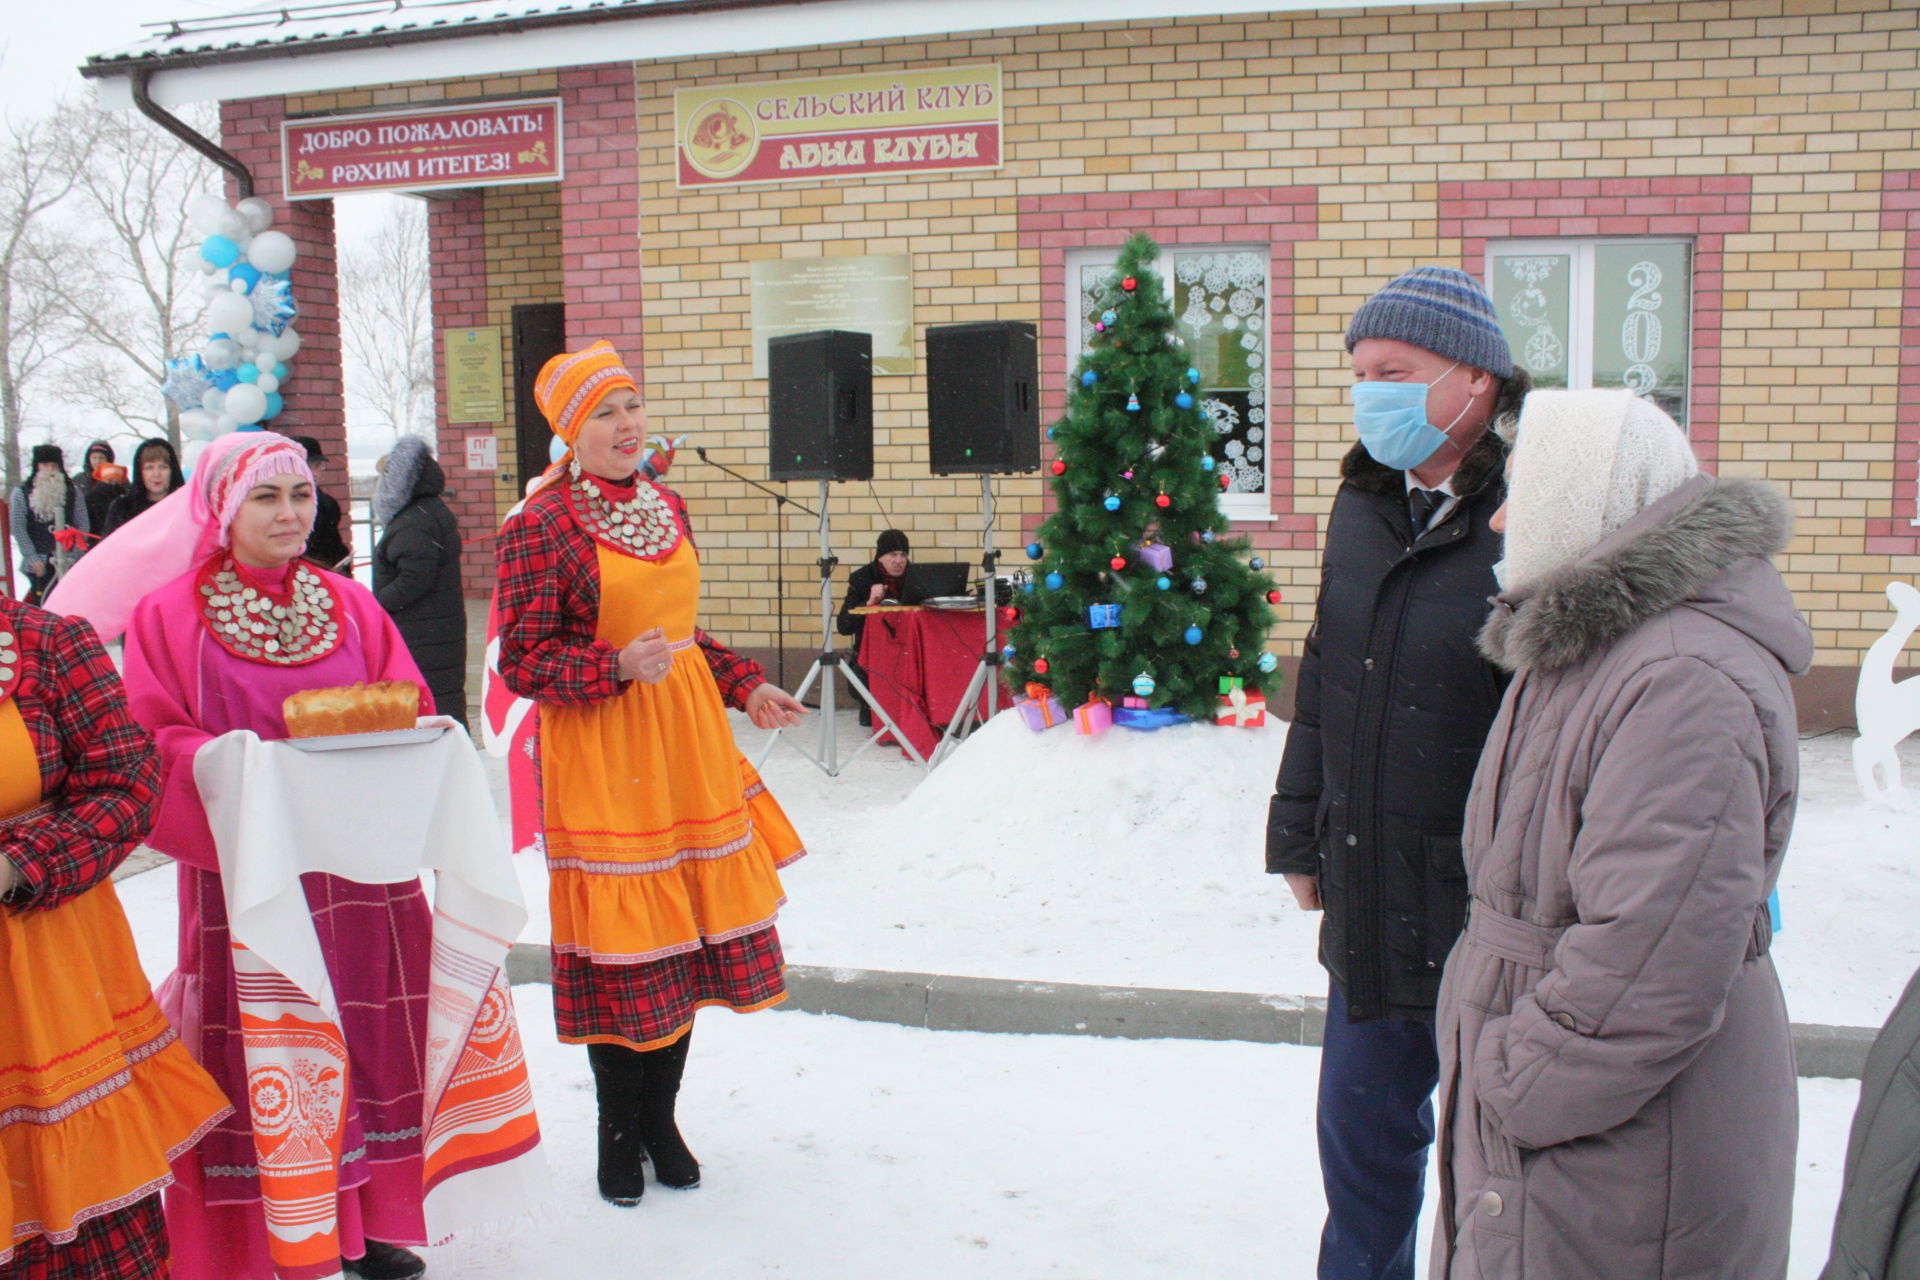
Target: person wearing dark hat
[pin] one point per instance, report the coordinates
(1393, 703)
(99, 481)
(325, 546)
(879, 580)
(47, 517)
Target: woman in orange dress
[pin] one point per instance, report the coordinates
(97, 1094)
(662, 843)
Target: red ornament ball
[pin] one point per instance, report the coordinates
(1163, 502)
(1118, 563)
(1129, 284)
(1225, 480)
(1273, 597)
(1233, 655)
(1059, 467)
(1040, 667)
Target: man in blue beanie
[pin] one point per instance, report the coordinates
(1392, 705)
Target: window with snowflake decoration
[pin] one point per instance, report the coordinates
(1599, 313)
(1219, 300)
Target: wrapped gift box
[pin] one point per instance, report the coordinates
(1094, 717)
(1040, 713)
(1134, 703)
(1153, 718)
(1238, 707)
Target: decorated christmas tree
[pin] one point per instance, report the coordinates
(1138, 592)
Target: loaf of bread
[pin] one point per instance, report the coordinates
(355, 708)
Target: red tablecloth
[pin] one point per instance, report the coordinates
(918, 663)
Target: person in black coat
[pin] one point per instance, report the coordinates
(326, 545)
(156, 473)
(1392, 705)
(882, 578)
(96, 492)
(416, 571)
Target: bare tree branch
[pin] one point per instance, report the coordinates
(386, 331)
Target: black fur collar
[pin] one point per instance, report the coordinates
(1483, 464)
(1663, 557)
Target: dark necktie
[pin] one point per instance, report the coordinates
(1421, 504)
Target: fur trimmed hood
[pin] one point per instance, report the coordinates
(410, 473)
(1687, 548)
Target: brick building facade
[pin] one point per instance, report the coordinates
(1775, 139)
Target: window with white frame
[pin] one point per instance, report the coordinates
(1219, 300)
(1599, 313)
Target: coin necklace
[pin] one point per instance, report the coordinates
(254, 622)
(641, 526)
(9, 663)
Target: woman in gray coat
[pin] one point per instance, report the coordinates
(1617, 1096)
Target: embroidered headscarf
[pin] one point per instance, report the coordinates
(175, 534)
(572, 385)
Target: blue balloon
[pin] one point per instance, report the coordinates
(280, 371)
(1035, 551)
(1112, 502)
(220, 251)
(274, 405)
(1088, 378)
(1055, 582)
(246, 273)
(250, 426)
(1193, 635)
(223, 379)
(1183, 401)
(247, 373)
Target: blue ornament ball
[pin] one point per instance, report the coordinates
(1163, 582)
(1193, 635)
(1206, 462)
(1055, 582)
(1143, 685)
(1035, 551)
(1183, 401)
(1108, 317)
(1206, 535)
(1193, 376)
(1049, 433)
(1199, 586)
(1257, 564)
(1007, 653)
(1088, 378)
(1267, 662)
(1027, 586)
(1112, 502)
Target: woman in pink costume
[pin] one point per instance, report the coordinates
(236, 622)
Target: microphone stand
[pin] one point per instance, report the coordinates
(779, 556)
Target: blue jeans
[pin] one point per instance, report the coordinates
(1375, 1123)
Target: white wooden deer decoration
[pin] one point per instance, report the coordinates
(1886, 710)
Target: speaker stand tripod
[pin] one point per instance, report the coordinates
(833, 665)
(986, 673)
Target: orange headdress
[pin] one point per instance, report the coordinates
(573, 382)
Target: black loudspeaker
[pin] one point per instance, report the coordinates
(820, 406)
(983, 405)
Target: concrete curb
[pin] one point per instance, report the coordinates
(938, 1002)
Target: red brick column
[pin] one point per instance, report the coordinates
(1277, 216)
(600, 210)
(1900, 211)
(1707, 209)
(315, 400)
(457, 255)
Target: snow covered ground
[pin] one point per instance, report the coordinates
(847, 1150)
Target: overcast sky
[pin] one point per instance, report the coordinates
(44, 43)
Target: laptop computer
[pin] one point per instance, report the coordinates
(930, 579)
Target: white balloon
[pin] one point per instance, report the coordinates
(267, 383)
(234, 228)
(207, 212)
(250, 338)
(207, 268)
(272, 251)
(246, 402)
(191, 451)
(257, 213)
(221, 353)
(229, 313)
(237, 286)
(287, 345)
(197, 424)
(213, 400)
(225, 423)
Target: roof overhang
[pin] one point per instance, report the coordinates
(661, 30)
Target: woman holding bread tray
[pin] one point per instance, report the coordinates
(663, 846)
(237, 622)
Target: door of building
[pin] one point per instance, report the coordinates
(539, 334)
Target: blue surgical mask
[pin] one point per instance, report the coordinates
(1500, 573)
(1391, 418)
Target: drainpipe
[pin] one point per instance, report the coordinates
(181, 130)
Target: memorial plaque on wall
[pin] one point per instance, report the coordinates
(476, 389)
(865, 295)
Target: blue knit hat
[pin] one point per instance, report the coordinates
(1437, 309)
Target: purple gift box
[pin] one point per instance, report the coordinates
(1157, 555)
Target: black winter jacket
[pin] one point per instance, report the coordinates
(1876, 1232)
(1392, 705)
(416, 579)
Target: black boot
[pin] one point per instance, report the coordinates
(617, 1073)
(673, 1164)
(385, 1262)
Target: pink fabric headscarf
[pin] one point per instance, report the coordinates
(176, 533)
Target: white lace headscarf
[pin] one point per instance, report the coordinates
(1585, 463)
